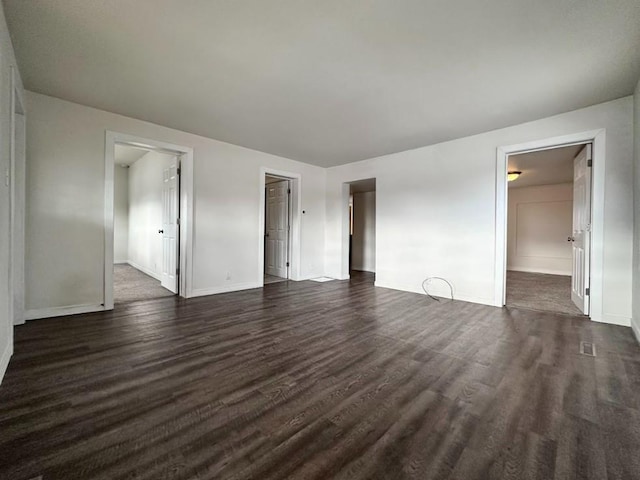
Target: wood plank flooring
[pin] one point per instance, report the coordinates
(306, 380)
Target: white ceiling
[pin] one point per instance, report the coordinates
(546, 167)
(334, 81)
(127, 155)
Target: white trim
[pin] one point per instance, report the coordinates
(5, 358)
(613, 319)
(202, 292)
(345, 195)
(16, 108)
(295, 180)
(597, 138)
(436, 291)
(636, 330)
(345, 223)
(144, 270)
(544, 271)
(62, 311)
(186, 209)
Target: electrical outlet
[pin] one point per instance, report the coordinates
(228, 275)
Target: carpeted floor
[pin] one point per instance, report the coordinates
(273, 279)
(131, 284)
(538, 291)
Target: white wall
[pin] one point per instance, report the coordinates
(7, 292)
(540, 218)
(121, 214)
(436, 208)
(636, 211)
(145, 213)
(364, 232)
(65, 237)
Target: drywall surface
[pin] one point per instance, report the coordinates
(65, 241)
(540, 219)
(145, 212)
(364, 232)
(436, 208)
(636, 212)
(7, 292)
(121, 214)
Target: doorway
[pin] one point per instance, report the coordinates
(277, 229)
(156, 205)
(362, 229)
(549, 229)
(146, 215)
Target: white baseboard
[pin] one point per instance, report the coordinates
(236, 287)
(151, 273)
(612, 319)
(4, 359)
(309, 277)
(337, 276)
(62, 311)
(636, 330)
(539, 270)
(437, 292)
(18, 317)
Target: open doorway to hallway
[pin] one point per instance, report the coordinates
(362, 228)
(146, 218)
(548, 230)
(277, 229)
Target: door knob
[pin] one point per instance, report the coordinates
(160, 231)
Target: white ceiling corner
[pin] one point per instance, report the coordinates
(329, 82)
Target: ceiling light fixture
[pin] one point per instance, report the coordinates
(512, 175)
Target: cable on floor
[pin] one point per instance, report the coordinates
(427, 281)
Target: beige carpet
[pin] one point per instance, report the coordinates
(273, 279)
(130, 284)
(537, 291)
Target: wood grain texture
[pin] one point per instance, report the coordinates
(306, 380)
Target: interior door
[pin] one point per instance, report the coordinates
(170, 231)
(581, 237)
(277, 229)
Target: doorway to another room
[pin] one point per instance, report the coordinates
(549, 230)
(362, 229)
(146, 245)
(277, 229)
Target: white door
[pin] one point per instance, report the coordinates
(170, 225)
(581, 237)
(277, 229)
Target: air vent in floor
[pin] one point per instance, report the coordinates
(588, 348)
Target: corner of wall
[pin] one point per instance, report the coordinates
(635, 326)
(4, 359)
(635, 318)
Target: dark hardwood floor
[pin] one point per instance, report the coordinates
(307, 380)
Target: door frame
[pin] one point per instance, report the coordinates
(17, 202)
(597, 138)
(185, 284)
(345, 222)
(289, 216)
(295, 213)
